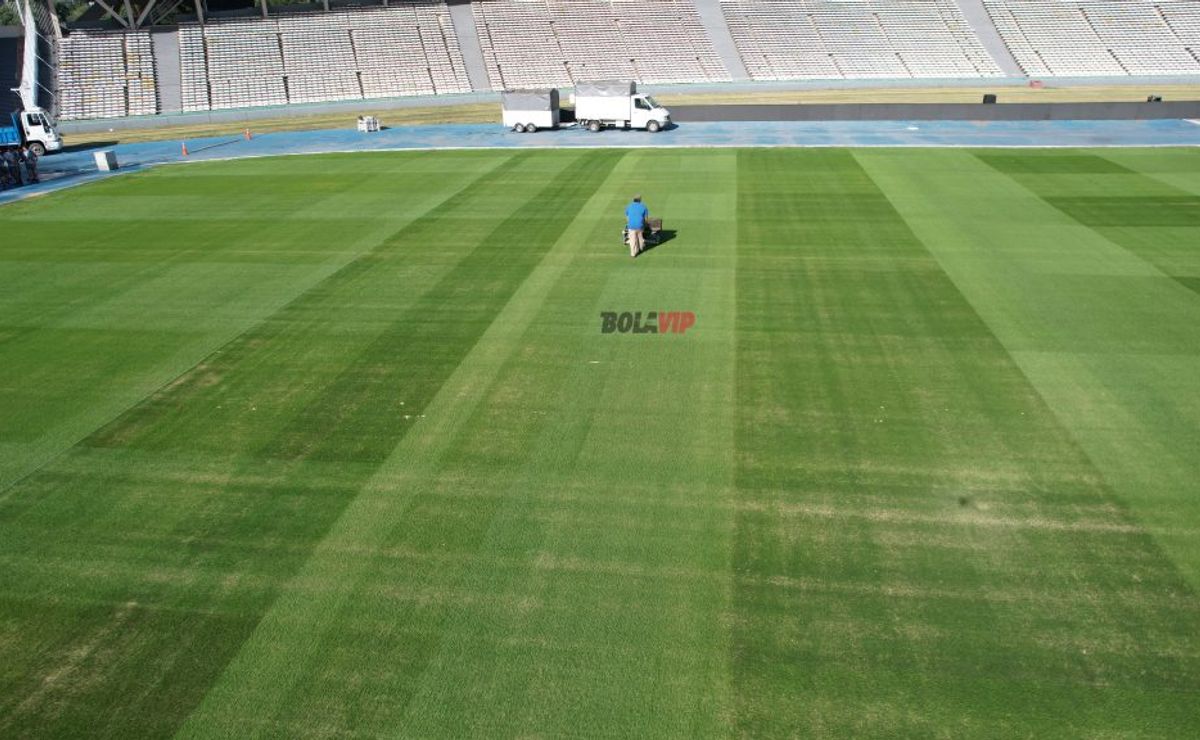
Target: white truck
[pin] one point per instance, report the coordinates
(617, 104)
(32, 128)
(529, 110)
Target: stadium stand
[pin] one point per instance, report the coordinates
(536, 43)
(411, 47)
(1088, 38)
(106, 75)
(797, 39)
(347, 54)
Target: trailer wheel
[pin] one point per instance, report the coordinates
(519, 128)
(37, 148)
(653, 127)
(593, 126)
(530, 128)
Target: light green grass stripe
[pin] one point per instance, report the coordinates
(19, 461)
(1100, 332)
(1179, 168)
(257, 683)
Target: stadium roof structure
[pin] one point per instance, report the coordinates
(131, 15)
(138, 14)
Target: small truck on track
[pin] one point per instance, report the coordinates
(598, 105)
(31, 128)
(617, 105)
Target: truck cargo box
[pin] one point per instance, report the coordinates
(607, 89)
(604, 101)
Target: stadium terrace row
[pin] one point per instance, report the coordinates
(818, 39)
(551, 42)
(1100, 37)
(413, 48)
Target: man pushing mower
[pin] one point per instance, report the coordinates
(637, 221)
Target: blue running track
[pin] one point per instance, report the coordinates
(77, 166)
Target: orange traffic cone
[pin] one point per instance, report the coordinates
(248, 136)
(185, 149)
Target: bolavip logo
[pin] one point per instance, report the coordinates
(655, 322)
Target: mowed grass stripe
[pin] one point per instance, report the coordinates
(251, 503)
(259, 688)
(921, 545)
(1177, 167)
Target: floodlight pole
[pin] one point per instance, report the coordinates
(199, 11)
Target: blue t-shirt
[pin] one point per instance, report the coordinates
(635, 215)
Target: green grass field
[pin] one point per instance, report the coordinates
(334, 446)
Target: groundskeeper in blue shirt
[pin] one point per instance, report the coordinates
(635, 214)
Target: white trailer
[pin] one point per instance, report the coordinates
(529, 110)
(617, 104)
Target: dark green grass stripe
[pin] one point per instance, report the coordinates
(1189, 282)
(376, 399)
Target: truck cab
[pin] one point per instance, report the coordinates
(36, 131)
(648, 114)
(40, 135)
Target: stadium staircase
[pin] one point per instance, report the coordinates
(976, 15)
(713, 20)
(165, 45)
(463, 21)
